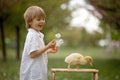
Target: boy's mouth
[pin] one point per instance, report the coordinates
(40, 26)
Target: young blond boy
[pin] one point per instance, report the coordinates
(34, 57)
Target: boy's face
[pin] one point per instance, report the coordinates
(37, 23)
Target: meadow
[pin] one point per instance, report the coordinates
(108, 64)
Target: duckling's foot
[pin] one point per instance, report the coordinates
(77, 66)
(68, 66)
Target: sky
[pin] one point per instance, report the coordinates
(81, 17)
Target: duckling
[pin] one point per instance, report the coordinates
(77, 59)
(74, 59)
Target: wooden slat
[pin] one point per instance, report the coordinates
(93, 71)
(73, 70)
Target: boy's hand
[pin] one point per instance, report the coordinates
(51, 44)
(53, 50)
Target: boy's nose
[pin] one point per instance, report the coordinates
(42, 22)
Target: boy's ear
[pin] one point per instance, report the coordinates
(29, 23)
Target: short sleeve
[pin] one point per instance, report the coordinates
(33, 43)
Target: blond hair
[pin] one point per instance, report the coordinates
(33, 12)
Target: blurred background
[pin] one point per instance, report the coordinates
(90, 27)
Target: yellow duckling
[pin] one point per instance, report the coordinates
(77, 58)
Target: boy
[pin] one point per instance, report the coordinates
(34, 57)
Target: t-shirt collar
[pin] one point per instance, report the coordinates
(33, 30)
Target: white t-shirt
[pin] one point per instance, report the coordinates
(33, 68)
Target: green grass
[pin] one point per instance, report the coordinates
(96, 53)
(108, 65)
(9, 70)
(108, 70)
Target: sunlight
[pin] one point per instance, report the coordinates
(81, 17)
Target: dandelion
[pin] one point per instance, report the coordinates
(58, 35)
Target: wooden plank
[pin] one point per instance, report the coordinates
(93, 71)
(73, 70)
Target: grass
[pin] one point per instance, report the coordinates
(108, 65)
(98, 53)
(108, 70)
(9, 70)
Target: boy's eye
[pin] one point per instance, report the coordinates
(43, 18)
(40, 19)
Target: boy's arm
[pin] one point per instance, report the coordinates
(42, 50)
(38, 52)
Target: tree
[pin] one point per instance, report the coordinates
(4, 14)
(12, 15)
(110, 11)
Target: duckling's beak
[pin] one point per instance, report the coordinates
(91, 64)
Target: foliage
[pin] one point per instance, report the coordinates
(110, 11)
(12, 15)
(79, 37)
